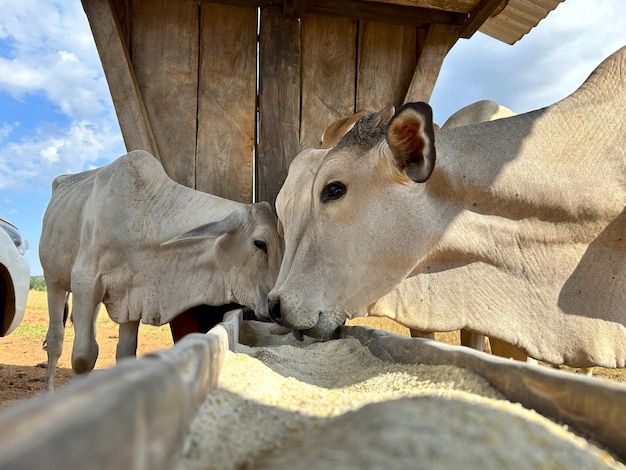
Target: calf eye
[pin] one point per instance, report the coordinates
(260, 244)
(333, 190)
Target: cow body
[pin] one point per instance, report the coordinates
(518, 233)
(480, 111)
(128, 236)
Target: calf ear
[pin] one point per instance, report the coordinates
(337, 129)
(411, 137)
(210, 230)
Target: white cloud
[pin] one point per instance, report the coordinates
(51, 51)
(48, 53)
(18, 78)
(6, 129)
(34, 162)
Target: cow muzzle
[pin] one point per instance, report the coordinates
(320, 328)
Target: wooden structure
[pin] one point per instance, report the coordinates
(226, 93)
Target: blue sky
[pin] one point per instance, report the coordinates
(56, 114)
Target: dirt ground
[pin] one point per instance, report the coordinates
(23, 360)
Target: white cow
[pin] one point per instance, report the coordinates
(480, 111)
(148, 248)
(518, 231)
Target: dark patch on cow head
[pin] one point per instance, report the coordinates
(368, 131)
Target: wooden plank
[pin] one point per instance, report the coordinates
(400, 13)
(459, 6)
(439, 41)
(328, 74)
(226, 101)
(165, 58)
(384, 12)
(293, 8)
(127, 99)
(387, 58)
(478, 16)
(279, 101)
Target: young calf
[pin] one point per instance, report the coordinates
(128, 236)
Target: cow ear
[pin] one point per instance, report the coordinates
(337, 129)
(411, 137)
(210, 230)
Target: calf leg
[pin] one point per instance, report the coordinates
(85, 351)
(56, 331)
(127, 344)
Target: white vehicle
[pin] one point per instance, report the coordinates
(14, 277)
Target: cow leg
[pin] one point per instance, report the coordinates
(415, 333)
(127, 344)
(85, 350)
(472, 340)
(503, 349)
(56, 331)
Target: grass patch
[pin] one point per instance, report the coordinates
(32, 330)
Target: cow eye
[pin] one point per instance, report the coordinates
(333, 190)
(260, 244)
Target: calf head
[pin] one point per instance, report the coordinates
(244, 257)
(349, 220)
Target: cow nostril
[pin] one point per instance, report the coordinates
(273, 306)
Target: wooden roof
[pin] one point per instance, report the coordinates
(505, 20)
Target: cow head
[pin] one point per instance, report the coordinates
(348, 216)
(246, 252)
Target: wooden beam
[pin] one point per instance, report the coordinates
(293, 8)
(127, 100)
(384, 12)
(439, 41)
(362, 10)
(478, 16)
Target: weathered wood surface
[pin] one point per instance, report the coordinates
(127, 99)
(395, 12)
(183, 77)
(164, 54)
(592, 406)
(328, 74)
(226, 101)
(279, 101)
(387, 58)
(131, 416)
(461, 6)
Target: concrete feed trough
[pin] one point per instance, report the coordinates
(366, 399)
